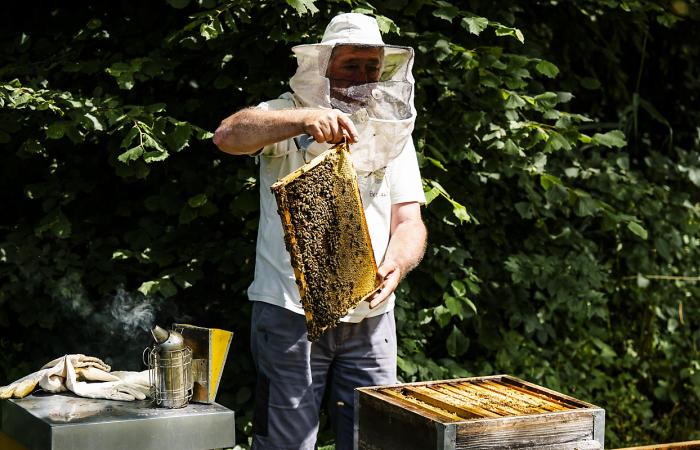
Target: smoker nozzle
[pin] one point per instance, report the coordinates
(160, 334)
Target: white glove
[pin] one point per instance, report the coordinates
(49, 377)
(25, 385)
(78, 361)
(69, 372)
(142, 378)
(111, 390)
(86, 368)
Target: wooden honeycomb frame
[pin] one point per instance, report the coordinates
(325, 232)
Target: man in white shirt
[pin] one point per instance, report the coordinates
(349, 86)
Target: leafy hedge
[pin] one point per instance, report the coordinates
(558, 143)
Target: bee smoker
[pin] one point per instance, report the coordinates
(170, 364)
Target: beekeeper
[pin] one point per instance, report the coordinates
(349, 86)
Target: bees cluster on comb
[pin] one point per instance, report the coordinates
(326, 235)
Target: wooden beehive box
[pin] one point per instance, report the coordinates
(494, 412)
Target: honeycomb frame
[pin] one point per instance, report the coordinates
(326, 235)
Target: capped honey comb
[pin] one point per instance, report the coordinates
(326, 234)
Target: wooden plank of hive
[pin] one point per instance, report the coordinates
(535, 402)
(475, 399)
(539, 431)
(384, 423)
(325, 232)
(674, 446)
(427, 395)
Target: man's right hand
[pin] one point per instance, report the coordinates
(329, 125)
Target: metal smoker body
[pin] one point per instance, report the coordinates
(170, 361)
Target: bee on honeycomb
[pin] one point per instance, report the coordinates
(326, 235)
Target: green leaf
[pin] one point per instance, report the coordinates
(546, 68)
(56, 223)
(197, 200)
(454, 305)
(587, 206)
(556, 142)
(514, 101)
(148, 287)
(475, 25)
(548, 180)
(459, 288)
(131, 154)
(208, 31)
(615, 138)
(156, 155)
(406, 366)
(303, 6)
(431, 195)
(470, 304)
(457, 344)
(129, 137)
(56, 130)
(460, 212)
(442, 315)
(96, 125)
(606, 351)
(502, 30)
(179, 138)
(443, 49)
(637, 229)
(642, 281)
(447, 12)
(163, 286)
(694, 175)
(547, 99)
(436, 163)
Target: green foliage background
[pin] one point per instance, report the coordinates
(559, 145)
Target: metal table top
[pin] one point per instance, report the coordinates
(66, 421)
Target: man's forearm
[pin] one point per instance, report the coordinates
(249, 130)
(407, 245)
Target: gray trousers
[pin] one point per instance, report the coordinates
(293, 374)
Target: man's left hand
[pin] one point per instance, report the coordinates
(390, 274)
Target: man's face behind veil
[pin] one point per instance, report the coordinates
(351, 66)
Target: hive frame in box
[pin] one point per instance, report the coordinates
(385, 422)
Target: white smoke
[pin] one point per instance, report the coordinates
(131, 312)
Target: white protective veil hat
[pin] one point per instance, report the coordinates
(382, 111)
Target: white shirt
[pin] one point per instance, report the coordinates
(399, 182)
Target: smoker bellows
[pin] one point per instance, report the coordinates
(327, 238)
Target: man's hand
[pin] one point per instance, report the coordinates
(390, 274)
(329, 125)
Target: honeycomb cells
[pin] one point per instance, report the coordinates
(327, 238)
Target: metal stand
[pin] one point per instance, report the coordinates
(60, 422)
